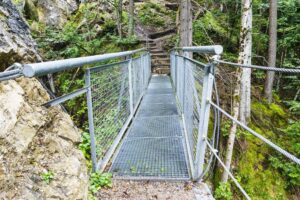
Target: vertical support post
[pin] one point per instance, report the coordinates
(185, 68)
(204, 120)
(130, 85)
(143, 73)
(91, 119)
(176, 72)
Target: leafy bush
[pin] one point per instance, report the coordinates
(85, 145)
(152, 14)
(223, 192)
(99, 180)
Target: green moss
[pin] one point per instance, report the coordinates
(31, 11)
(17, 2)
(2, 16)
(262, 174)
(151, 14)
(258, 179)
(270, 115)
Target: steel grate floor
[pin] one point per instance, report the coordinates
(154, 145)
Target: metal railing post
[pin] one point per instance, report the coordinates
(130, 85)
(204, 120)
(91, 119)
(143, 73)
(184, 86)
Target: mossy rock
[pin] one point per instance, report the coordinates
(31, 11)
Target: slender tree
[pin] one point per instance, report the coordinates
(245, 58)
(185, 26)
(119, 10)
(241, 99)
(272, 49)
(131, 18)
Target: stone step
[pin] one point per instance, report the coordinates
(167, 59)
(159, 55)
(161, 61)
(161, 66)
(162, 33)
(153, 48)
(150, 41)
(157, 51)
(161, 70)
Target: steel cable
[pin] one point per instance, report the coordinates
(275, 69)
(279, 149)
(214, 151)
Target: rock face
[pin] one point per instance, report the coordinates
(16, 43)
(39, 158)
(55, 12)
(49, 12)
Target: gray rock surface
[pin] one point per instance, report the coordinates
(16, 43)
(55, 12)
(34, 140)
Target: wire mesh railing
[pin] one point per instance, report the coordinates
(113, 94)
(116, 90)
(193, 84)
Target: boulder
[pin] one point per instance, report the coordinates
(39, 155)
(55, 12)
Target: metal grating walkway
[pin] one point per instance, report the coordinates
(154, 146)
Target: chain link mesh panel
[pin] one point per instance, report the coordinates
(114, 92)
(111, 106)
(188, 77)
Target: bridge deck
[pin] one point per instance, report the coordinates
(154, 146)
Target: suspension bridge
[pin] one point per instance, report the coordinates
(145, 126)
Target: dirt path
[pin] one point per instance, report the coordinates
(149, 190)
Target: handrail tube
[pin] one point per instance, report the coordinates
(214, 49)
(38, 69)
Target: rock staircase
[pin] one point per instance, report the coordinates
(156, 42)
(160, 55)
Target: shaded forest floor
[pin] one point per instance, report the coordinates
(150, 190)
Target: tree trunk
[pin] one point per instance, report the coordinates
(272, 49)
(119, 10)
(243, 83)
(131, 18)
(185, 28)
(245, 58)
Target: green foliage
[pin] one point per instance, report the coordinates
(99, 180)
(269, 114)
(290, 141)
(290, 170)
(223, 192)
(80, 37)
(47, 177)
(85, 147)
(151, 14)
(148, 15)
(294, 107)
(128, 42)
(225, 126)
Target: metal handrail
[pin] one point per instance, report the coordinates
(38, 69)
(214, 49)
